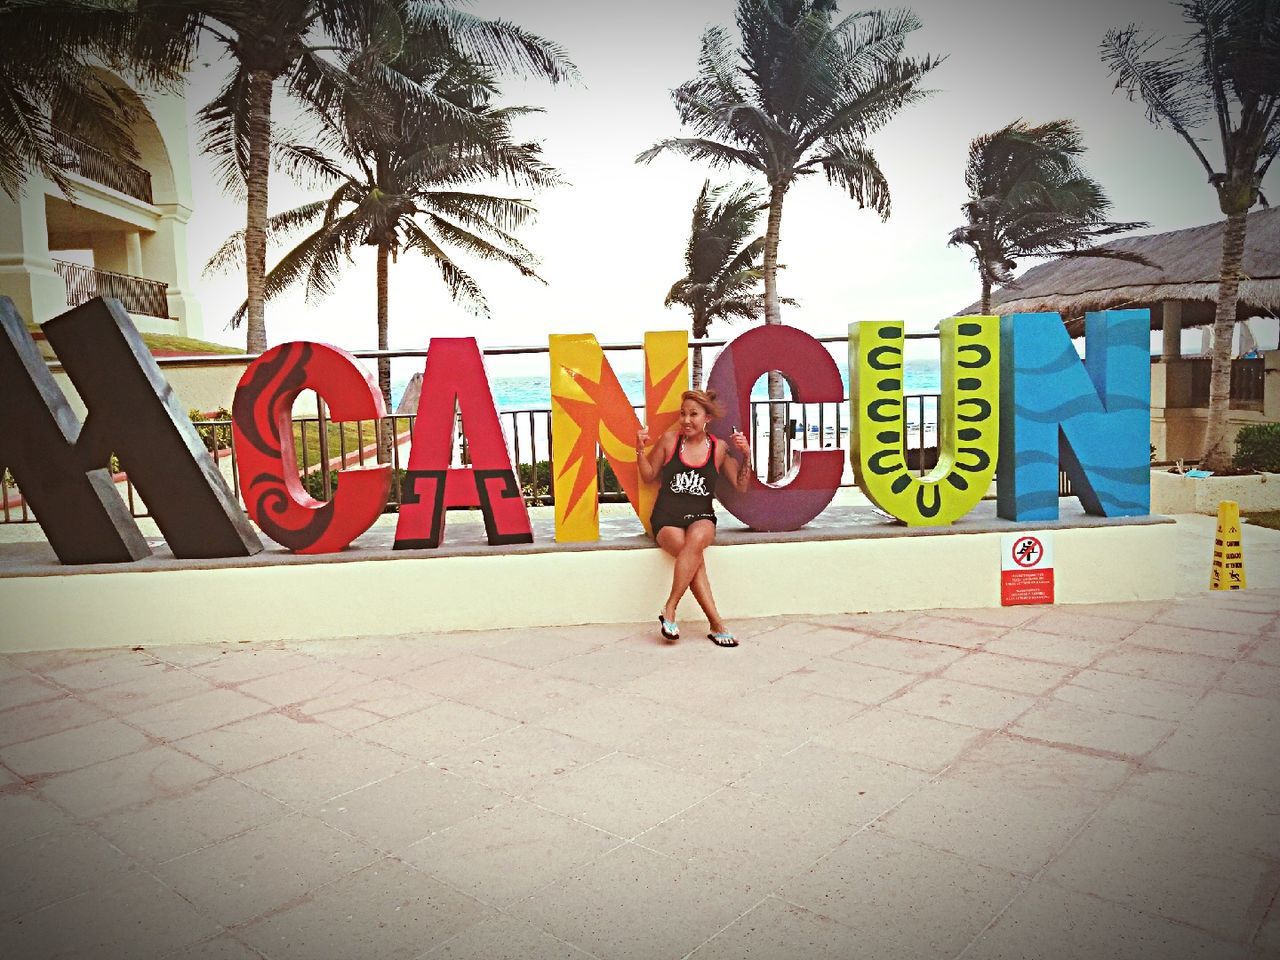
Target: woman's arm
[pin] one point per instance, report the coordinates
(736, 471)
(650, 464)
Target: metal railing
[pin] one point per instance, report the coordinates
(529, 439)
(100, 167)
(137, 294)
(812, 426)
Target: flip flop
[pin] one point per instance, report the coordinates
(723, 639)
(670, 631)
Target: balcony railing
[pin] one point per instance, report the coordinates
(147, 297)
(1247, 383)
(93, 164)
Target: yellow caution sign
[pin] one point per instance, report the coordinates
(1228, 555)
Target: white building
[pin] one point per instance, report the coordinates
(121, 233)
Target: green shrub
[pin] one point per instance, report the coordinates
(313, 483)
(608, 481)
(1258, 447)
(214, 438)
(535, 481)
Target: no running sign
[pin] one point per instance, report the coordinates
(1026, 568)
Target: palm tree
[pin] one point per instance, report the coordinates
(1227, 71)
(721, 262)
(401, 183)
(291, 43)
(800, 95)
(48, 49)
(1028, 197)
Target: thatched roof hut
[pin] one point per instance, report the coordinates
(1185, 272)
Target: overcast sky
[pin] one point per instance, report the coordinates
(611, 242)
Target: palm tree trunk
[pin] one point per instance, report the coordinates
(773, 314)
(1217, 453)
(699, 329)
(386, 430)
(255, 230)
(986, 297)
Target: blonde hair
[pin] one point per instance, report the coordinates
(705, 399)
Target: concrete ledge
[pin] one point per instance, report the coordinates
(1173, 493)
(889, 568)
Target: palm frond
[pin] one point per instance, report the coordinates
(305, 162)
(1028, 197)
(721, 255)
(480, 248)
(462, 287)
(481, 210)
(231, 253)
(225, 132)
(852, 165)
(865, 106)
(332, 249)
(51, 82)
(802, 91)
(498, 43)
(716, 154)
(1109, 254)
(299, 265)
(315, 80)
(1168, 85)
(1271, 147)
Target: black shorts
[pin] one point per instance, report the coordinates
(683, 521)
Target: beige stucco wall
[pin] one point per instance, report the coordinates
(1177, 430)
(27, 274)
(334, 599)
(204, 388)
(1179, 434)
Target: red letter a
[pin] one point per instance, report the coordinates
(454, 378)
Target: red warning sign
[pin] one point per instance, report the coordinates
(1026, 569)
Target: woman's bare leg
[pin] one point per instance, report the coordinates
(699, 586)
(671, 539)
(697, 538)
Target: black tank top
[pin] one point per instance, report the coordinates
(686, 490)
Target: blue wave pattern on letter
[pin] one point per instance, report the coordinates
(1093, 416)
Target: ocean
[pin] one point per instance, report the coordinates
(533, 391)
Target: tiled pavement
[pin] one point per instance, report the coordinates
(1080, 782)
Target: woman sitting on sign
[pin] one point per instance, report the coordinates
(686, 459)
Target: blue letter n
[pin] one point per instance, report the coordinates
(1093, 417)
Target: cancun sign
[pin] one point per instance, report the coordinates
(1015, 395)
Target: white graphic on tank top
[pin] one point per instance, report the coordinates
(690, 482)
